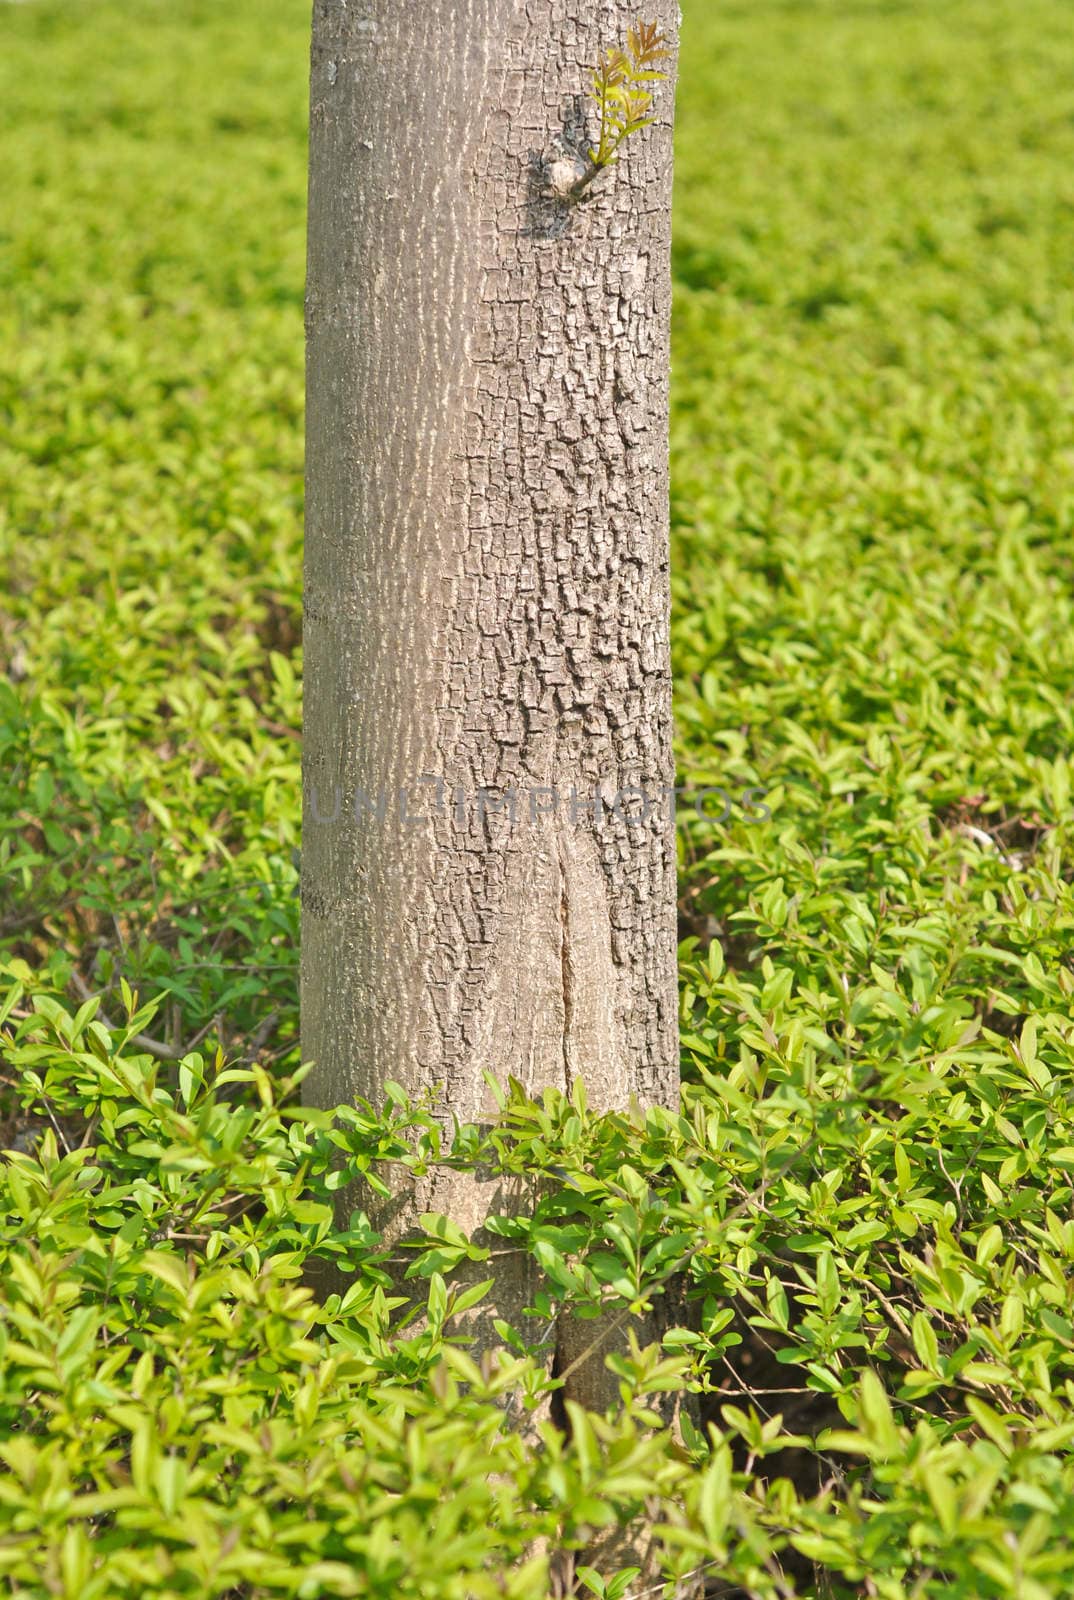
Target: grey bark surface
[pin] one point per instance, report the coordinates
(486, 574)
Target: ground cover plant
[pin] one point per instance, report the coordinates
(862, 1216)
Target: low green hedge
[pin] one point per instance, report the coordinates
(180, 1416)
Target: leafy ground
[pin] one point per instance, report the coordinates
(867, 1198)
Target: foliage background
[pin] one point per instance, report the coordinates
(865, 1206)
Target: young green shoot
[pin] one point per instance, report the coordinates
(621, 89)
(624, 97)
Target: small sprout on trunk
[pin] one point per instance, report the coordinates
(624, 104)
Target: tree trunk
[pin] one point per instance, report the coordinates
(486, 577)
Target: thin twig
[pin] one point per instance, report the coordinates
(153, 1047)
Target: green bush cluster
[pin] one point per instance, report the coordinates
(861, 1214)
(201, 1424)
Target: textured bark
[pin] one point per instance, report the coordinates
(486, 581)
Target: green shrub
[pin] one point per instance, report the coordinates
(199, 1422)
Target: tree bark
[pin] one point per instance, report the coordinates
(486, 574)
